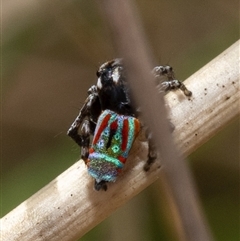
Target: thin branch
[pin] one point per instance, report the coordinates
(123, 18)
(68, 207)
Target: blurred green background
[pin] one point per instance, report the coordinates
(50, 53)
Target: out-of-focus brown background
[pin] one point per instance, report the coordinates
(50, 53)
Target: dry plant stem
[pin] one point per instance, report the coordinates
(68, 207)
(131, 44)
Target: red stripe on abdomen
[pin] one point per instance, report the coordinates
(125, 131)
(101, 128)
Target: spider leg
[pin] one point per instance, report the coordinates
(85, 134)
(85, 121)
(146, 135)
(166, 81)
(175, 84)
(100, 185)
(152, 154)
(152, 150)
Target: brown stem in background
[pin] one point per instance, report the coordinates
(131, 44)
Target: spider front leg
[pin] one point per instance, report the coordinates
(86, 122)
(166, 80)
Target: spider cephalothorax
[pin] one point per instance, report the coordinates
(109, 116)
(112, 87)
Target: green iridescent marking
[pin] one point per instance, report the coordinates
(117, 136)
(115, 149)
(101, 156)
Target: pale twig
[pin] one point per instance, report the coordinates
(68, 207)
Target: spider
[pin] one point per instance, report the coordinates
(111, 121)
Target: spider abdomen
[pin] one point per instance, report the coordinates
(112, 141)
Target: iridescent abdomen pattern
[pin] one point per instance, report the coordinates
(112, 141)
